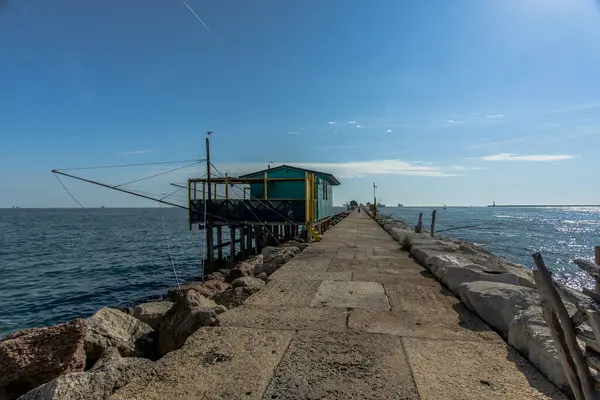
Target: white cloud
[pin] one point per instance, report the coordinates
(352, 122)
(134, 152)
(451, 121)
(359, 126)
(293, 133)
(389, 131)
(331, 123)
(495, 116)
(355, 168)
(532, 157)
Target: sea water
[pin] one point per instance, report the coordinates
(59, 264)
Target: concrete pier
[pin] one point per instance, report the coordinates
(351, 317)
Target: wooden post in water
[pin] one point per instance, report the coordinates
(419, 226)
(210, 255)
(243, 241)
(258, 237)
(232, 243)
(220, 242)
(433, 213)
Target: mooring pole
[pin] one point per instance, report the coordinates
(419, 226)
(209, 227)
(374, 201)
(433, 222)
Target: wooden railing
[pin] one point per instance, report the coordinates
(582, 367)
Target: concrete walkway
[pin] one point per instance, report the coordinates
(351, 317)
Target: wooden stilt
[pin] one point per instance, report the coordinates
(243, 241)
(258, 237)
(220, 243)
(210, 255)
(232, 243)
(248, 240)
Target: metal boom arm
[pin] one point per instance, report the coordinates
(118, 189)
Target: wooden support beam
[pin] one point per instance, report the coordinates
(569, 340)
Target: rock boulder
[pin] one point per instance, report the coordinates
(152, 313)
(249, 282)
(246, 268)
(99, 383)
(495, 302)
(215, 276)
(233, 297)
(531, 336)
(206, 289)
(32, 357)
(112, 328)
(184, 318)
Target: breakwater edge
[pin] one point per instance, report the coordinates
(94, 357)
(503, 294)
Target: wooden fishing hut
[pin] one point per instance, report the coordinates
(270, 206)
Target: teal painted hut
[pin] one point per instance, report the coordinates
(321, 190)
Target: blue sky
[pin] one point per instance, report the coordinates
(460, 102)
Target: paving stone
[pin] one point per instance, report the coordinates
(285, 293)
(214, 363)
(420, 298)
(311, 275)
(456, 370)
(407, 278)
(351, 294)
(297, 318)
(320, 365)
(352, 264)
(460, 324)
(320, 263)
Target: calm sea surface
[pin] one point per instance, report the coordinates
(58, 264)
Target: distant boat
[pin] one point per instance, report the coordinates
(400, 205)
(493, 205)
(444, 206)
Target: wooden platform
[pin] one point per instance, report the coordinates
(351, 317)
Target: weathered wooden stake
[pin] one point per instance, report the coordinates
(559, 337)
(557, 306)
(419, 227)
(433, 213)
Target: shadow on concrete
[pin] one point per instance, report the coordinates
(535, 378)
(469, 320)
